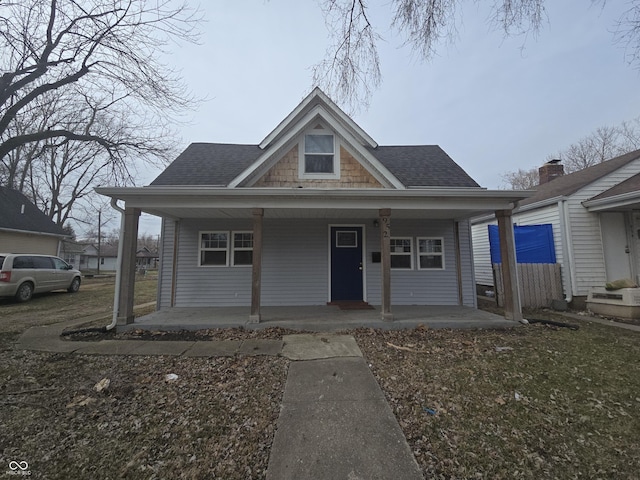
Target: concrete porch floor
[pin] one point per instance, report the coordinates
(320, 318)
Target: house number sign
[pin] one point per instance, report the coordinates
(386, 227)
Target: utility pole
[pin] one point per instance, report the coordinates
(99, 237)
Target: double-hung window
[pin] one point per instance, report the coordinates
(242, 248)
(401, 253)
(319, 158)
(221, 249)
(430, 253)
(214, 248)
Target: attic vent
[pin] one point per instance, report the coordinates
(318, 127)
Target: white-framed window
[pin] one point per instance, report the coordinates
(431, 253)
(319, 156)
(402, 253)
(214, 249)
(242, 248)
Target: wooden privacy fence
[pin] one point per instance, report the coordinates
(540, 283)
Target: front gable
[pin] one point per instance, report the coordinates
(317, 146)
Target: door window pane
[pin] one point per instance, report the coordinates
(347, 239)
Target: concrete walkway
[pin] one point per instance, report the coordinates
(335, 423)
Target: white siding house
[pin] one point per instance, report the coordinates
(593, 245)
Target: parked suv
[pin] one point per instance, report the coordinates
(22, 275)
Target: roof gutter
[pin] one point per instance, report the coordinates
(33, 232)
(134, 193)
(607, 203)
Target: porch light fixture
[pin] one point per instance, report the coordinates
(376, 224)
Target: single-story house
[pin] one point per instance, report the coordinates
(595, 217)
(146, 259)
(24, 228)
(106, 259)
(316, 213)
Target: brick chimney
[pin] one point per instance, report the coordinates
(550, 170)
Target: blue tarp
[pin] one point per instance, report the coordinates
(534, 244)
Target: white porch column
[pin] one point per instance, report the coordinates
(256, 273)
(512, 306)
(385, 258)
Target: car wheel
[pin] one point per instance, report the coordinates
(75, 286)
(25, 292)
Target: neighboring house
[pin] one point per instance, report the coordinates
(24, 228)
(146, 259)
(107, 258)
(72, 253)
(317, 212)
(595, 216)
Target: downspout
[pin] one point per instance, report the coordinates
(116, 296)
(567, 247)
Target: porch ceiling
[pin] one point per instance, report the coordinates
(215, 202)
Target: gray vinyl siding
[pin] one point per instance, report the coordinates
(295, 268)
(416, 287)
(201, 286)
(165, 268)
(295, 262)
(469, 297)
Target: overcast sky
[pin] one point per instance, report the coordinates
(493, 104)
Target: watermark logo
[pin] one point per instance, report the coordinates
(18, 468)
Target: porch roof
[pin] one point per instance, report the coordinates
(178, 202)
(624, 196)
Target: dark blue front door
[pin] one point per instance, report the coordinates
(346, 263)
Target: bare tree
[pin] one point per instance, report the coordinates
(351, 64)
(351, 67)
(604, 143)
(521, 179)
(627, 32)
(600, 145)
(82, 82)
(630, 135)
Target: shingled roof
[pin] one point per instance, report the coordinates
(422, 166)
(219, 163)
(208, 164)
(571, 183)
(18, 213)
(631, 184)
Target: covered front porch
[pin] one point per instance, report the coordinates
(382, 211)
(322, 318)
